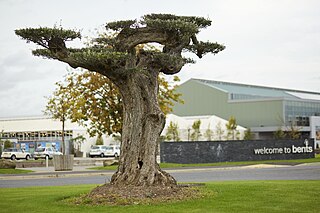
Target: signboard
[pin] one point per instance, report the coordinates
(224, 151)
(294, 149)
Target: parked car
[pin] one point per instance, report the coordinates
(43, 152)
(97, 151)
(112, 151)
(104, 151)
(13, 153)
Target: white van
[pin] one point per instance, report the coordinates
(113, 150)
(104, 151)
(97, 151)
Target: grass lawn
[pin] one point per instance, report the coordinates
(176, 165)
(229, 196)
(14, 171)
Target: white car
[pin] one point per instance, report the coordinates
(103, 151)
(43, 152)
(13, 153)
(112, 151)
(97, 151)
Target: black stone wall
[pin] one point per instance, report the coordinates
(224, 151)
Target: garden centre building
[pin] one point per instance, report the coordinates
(30, 132)
(262, 109)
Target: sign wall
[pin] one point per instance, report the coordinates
(224, 151)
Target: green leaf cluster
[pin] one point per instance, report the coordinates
(43, 35)
(205, 47)
(198, 21)
(99, 57)
(196, 134)
(118, 25)
(248, 135)
(172, 133)
(209, 133)
(232, 132)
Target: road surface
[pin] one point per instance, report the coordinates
(262, 172)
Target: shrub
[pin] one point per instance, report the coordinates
(7, 164)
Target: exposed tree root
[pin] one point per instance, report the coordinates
(109, 194)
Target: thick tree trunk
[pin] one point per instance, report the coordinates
(142, 125)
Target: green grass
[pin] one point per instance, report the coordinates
(176, 165)
(14, 171)
(229, 196)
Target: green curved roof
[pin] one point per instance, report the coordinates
(243, 91)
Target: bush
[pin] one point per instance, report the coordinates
(110, 162)
(7, 164)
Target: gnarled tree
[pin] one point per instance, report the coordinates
(135, 72)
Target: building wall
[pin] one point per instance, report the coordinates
(30, 124)
(201, 99)
(257, 113)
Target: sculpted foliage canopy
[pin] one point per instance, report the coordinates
(115, 55)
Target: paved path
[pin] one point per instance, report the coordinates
(81, 175)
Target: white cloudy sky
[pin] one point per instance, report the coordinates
(269, 42)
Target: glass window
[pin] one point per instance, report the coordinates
(298, 112)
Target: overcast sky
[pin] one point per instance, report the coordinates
(268, 42)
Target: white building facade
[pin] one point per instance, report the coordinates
(212, 128)
(31, 132)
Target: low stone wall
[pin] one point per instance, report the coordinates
(225, 151)
(32, 163)
(77, 162)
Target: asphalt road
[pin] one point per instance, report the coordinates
(299, 172)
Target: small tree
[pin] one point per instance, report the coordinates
(219, 131)
(77, 142)
(248, 135)
(196, 134)
(232, 133)
(7, 144)
(99, 140)
(293, 132)
(172, 132)
(209, 134)
(58, 106)
(279, 134)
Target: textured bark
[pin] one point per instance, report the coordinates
(142, 125)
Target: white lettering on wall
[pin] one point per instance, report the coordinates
(285, 150)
